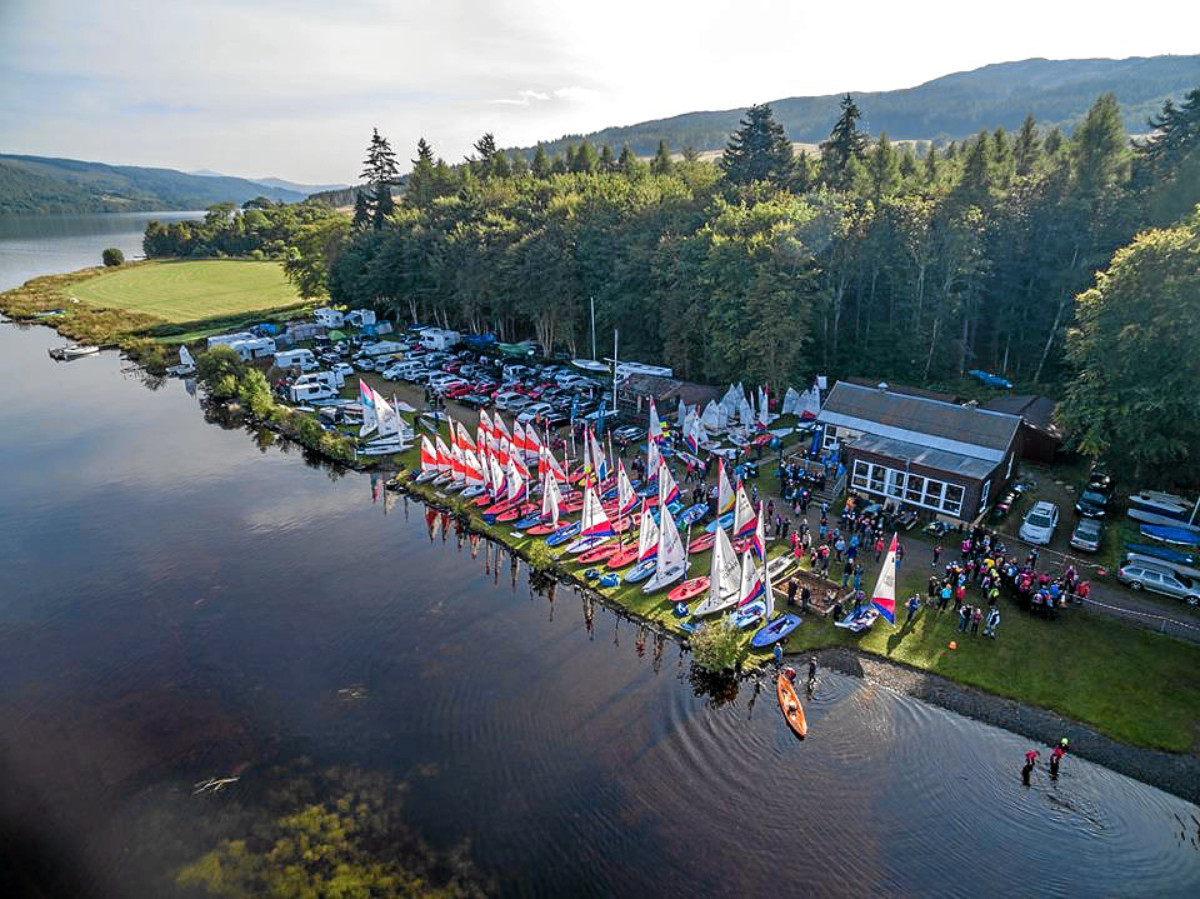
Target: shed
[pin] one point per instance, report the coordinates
(1041, 437)
(635, 392)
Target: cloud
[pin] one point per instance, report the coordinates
(523, 98)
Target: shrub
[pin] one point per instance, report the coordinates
(220, 370)
(716, 646)
(112, 257)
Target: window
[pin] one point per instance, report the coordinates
(895, 483)
(877, 478)
(984, 493)
(861, 476)
(953, 501)
(829, 439)
(914, 490)
(933, 493)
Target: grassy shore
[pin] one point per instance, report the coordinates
(145, 307)
(1129, 683)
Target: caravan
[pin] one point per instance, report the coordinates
(360, 318)
(236, 337)
(301, 359)
(255, 348)
(334, 380)
(329, 318)
(439, 338)
(306, 393)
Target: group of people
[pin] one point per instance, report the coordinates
(1056, 757)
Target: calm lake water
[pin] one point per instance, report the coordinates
(32, 245)
(181, 601)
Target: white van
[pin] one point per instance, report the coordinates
(306, 393)
(333, 379)
(301, 359)
(382, 348)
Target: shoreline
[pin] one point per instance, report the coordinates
(1177, 774)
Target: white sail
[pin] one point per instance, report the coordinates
(647, 536)
(750, 581)
(500, 429)
(726, 499)
(595, 522)
(388, 418)
(711, 419)
(472, 469)
(626, 498)
(464, 438)
(791, 402)
(746, 414)
(428, 455)
(458, 472)
(764, 412)
(768, 593)
(518, 436)
(443, 455)
(653, 459)
(551, 498)
(185, 358)
(810, 403)
(668, 490)
(743, 513)
(533, 445)
(682, 413)
(655, 430)
(732, 400)
(516, 483)
(723, 576)
(671, 551)
(497, 485)
(366, 399)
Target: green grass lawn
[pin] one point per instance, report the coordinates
(190, 291)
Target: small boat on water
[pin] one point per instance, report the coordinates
(789, 703)
(73, 351)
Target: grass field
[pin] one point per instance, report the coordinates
(190, 291)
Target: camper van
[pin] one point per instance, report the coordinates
(306, 393)
(332, 379)
(219, 339)
(439, 338)
(360, 318)
(301, 359)
(255, 348)
(382, 348)
(330, 318)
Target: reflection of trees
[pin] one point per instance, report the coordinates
(332, 832)
(719, 688)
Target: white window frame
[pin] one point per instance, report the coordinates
(882, 480)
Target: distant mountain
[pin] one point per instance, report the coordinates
(282, 184)
(42, 185)
(1057, 92)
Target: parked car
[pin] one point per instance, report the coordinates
(329, 358)
(1087, 535)
(629, 434)
(364, 363)
(454, 392)
(533, 410)
(1140, 576)
(341, 368)
(1101, 481)
(1092, 504)
(474, 400)
(509, 396)
(1039, 524)
(444, 387)
(1005, 504)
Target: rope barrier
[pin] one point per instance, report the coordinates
(1125, 611)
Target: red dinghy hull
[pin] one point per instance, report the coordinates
(623, 557)
(540, 530)
(702, 543)
(689, 589)
(517, 512)
(571, 506)
(482, 500)
(599, 554)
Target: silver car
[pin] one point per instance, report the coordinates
(1141, 576)
(1039, 524)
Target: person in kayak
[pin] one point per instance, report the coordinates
(790, 673)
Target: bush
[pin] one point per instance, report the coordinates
(716, 646)
(112, 257)
(220, 370)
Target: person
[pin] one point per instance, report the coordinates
(1031, 758)
(878, 548)
(937, 554)
(914, 604)
(790, 673)
(805, 596)
(964, 617)
(993, 621)
(791, 592)
(976, 618)
(812, 671)
(1056, 757)
(777, 652)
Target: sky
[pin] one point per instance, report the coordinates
(292, 88)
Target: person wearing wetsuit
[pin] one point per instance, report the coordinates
(812, 672)
(1030, 760)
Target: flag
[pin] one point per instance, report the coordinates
(884, 597)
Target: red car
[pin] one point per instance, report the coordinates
(452, 366)
(458, 390)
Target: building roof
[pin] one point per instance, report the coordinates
(942, 460)
(964, 430)
(905, 390)
(1038, 411)
(663, 389)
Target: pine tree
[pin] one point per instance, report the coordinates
(569, 162)
(585, 160)
(380, 173)
(803, 174)
(518, 165)
(628, 162)
(608, 162)
(908, 164)
(883, 169)
(362, 210)
(1099, 148)
(661, 163)
(541, 163)
(931, 166)
(975, 184)
(1028, 147)
(845, 142)
(559, 165)
(486, 148)
(1054, 142)
(421, 188)
(691, 154)
(759, 150)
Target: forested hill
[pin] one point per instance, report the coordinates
(1056, 92)
(40, 184)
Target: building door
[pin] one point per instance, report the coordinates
(983, 495)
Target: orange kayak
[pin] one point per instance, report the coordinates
(789, 703)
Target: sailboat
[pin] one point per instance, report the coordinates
(429, 462)
(186, 366)
(473, 474)
(445, 471)
(595, 528)
(883, 599)
(726, 500)
(647, 557)
(723, 580)
(752, 604)
(672, 554)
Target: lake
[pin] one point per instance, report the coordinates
(182, 600)
(32, 245)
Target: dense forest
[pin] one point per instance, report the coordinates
(1057, 92)
(769, 267)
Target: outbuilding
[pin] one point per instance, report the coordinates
(635, 392)
(912, 451)
(1041, 437)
